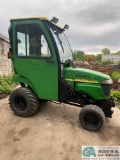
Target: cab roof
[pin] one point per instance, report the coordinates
(32, 18)
(28, 18)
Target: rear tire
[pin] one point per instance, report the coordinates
(92, 118)
(23, 102)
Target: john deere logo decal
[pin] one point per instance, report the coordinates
(97, 78)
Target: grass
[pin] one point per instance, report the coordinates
(115, 75)
(6, 85)
(116, 95)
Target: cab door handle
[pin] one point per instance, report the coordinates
(50, 61)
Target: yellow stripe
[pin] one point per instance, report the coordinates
(86, 81)
(69, 79)
(82, 80)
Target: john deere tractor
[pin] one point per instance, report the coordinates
(43, 65)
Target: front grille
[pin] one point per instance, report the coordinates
(106, 89)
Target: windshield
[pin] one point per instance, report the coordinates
(62, 44)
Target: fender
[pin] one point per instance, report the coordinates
(21, 79)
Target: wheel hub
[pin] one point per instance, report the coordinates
(91, 118)
(20, 103)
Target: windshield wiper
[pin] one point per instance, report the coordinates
(59, 41)
(61, 45)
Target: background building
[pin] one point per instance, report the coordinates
(5, 63)
(112, 57)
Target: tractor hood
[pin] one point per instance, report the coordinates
(86, 75)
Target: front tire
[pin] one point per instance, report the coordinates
(92, 118)
(23, 102)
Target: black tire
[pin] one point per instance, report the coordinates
(23, 102)
(92, 118)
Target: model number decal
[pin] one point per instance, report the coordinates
(86, 77)
(82, 76)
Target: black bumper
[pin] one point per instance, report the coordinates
(106, 107)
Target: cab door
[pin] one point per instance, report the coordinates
(35, 59)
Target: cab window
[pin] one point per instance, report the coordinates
(31, 42)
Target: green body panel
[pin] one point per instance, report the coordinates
(40, 72)
(93, 90)
(85, 74)
(86, 81)
(68, 75)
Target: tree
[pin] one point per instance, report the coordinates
(105, 51)
(98, 57)
(118, 52)
(90, 57)
(78, 55)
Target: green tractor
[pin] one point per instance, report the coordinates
(43, 65)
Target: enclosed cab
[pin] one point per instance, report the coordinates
(43, 65)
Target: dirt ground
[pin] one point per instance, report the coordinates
(54, 133)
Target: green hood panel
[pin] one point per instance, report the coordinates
(84, 75)
(86, 81)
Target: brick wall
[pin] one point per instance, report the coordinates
(5, 63)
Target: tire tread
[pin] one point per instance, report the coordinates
(32, 98)
(95, 109)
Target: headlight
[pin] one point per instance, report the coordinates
(109, 81)
(107, 86)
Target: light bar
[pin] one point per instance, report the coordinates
(66, 26)
(54, 20)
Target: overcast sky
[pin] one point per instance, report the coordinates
(94, 24)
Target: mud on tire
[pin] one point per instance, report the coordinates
(23, 102)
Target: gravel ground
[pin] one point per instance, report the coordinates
(52, 133)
